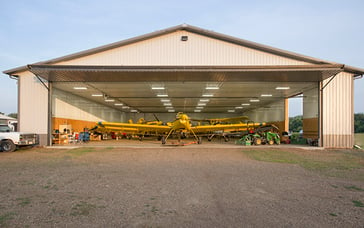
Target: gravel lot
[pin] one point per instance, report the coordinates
(155, 186)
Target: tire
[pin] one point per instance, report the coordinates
(270, 142)
(163, 140)
(257, 141)
(7, 146)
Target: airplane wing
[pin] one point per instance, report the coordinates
(223, 120)
(226, 127)
(127, 127)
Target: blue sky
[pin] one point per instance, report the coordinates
(37, 30)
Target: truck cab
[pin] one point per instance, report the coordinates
(10, 140)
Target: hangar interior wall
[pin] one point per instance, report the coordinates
(79, 112)
(338, 112)
(311, 113)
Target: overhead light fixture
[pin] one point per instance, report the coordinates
(97, 95)
(109, 100)
(125, 107)
(245, 104)
(162, 95)
(282, 87)
(80, 88)
(169, 107)
(204, 100)
(238, 107)
(158, 87)
(207, 95)
(165, 100)
(266, 95)
(254, 100)
(118, 104)
(212, 87)
(167, 104)
(199, 107)
(197, 110)
(171, 110)
(133, 110)
(231, 110)
(201, 104)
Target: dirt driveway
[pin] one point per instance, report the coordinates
(169, 187)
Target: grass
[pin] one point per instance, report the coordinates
(6, 217)
(359, 139)
(80, 151)
(358, 203)
(337, 163)
(82, 208)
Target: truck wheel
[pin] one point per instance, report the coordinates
(7, 146)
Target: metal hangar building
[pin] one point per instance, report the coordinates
(191, 70)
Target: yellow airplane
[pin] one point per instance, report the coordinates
(181, 125)
(237, 119)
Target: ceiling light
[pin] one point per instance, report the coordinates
(245, 104)
(207, 95)
(109, 100)
(125, 107)
(167, 104)
(80, 88)
(171, 110)
(133, 110)
(165, 100)
(199, 107)
(204, 100)
(169, 107)
(118, 104)
(212, 87)
(266, 95)
(158, 87)
(254, 100)
(231, 110)
(201, 104)
(97, 95)
(162, 95)
(282, 87)
(238, 107)
(197, 110)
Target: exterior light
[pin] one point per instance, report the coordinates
(282, 87)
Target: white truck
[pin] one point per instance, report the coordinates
(10, 141)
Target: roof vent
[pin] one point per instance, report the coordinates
(184, 38)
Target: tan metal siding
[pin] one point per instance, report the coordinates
(170, 50)
(338, 125)
(33, 104)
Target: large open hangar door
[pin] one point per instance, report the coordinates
(82, 95)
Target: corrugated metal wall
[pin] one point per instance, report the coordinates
(338, 112)
(170, 50)
(33, 106)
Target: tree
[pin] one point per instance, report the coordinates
(13, 115)
(295, 123)
(359, 122)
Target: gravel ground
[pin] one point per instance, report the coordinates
(192, 186)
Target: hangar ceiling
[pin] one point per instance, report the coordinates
(205, 97)
(205, 89)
